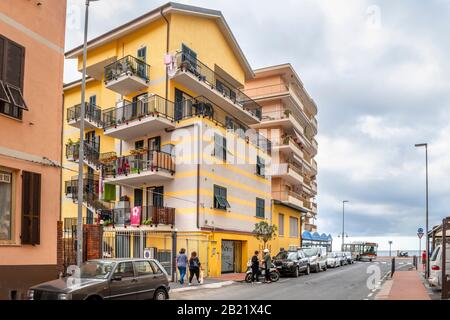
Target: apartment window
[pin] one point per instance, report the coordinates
(293, 227)
(220, 198)
(5, 205)
(141, 67)
(260, 166)
(260, 207)
(12, 65)
(189, 56)
(281, 224)
(220, 147)
(31, 208)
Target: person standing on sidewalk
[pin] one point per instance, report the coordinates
(424, 260)
(255, 267)
(182, 261)
(194, 267)
(267, 264)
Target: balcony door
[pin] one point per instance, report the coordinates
(139, 107)
(154, 144)
(155, 199)
(181, 106)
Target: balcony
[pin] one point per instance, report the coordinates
(150, 216)
(135, 119)
(92, 116)
(289, 197)
(127, 75)
(310, 227)
(198, 77)
(289, 147)
(269, 92)
(136, 170)
(288, 172)
(205, 108)
(281, 118)
(91, 153)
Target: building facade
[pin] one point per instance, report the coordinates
(289, 121)
(168, 140)
(31, 75)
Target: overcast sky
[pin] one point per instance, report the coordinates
(380, 75)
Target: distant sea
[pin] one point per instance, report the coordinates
(385, 253)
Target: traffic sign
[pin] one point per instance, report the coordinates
(420, 230)
(420, 234)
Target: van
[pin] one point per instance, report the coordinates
(435, 278)
(317, 258)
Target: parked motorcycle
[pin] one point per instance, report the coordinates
(273, 272)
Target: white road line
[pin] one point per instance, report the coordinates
(370, 295)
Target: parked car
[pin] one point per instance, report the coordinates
(342, 258)
(317, 258)
(111, 279)
(349, 257)
(435, 278)
(333, 260)
(292, 263)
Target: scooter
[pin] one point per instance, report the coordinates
(273, 272)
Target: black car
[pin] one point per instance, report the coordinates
(292, 263)
(116, 279)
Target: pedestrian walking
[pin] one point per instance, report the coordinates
(424, 260)
(194, 267)
(255, 267)
(182, 261)
(267, 264)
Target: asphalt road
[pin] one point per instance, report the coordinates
(359, 281)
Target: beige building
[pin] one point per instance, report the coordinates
(289, 121)
(31, 75)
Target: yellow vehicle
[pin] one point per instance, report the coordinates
(362, 251)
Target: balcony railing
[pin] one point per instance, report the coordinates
(92, 113)
(137, 164)
(90, 185)
(151, 106)
(150, 215)
(204, 74)
(202, 106)
(91, 152)
(127, 66)
(268, 90)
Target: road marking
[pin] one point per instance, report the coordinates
(370, 295)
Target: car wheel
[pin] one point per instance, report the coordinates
(274, 276)
(160, 294)
(325, 268)
(308, 270)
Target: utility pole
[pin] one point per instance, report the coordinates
(343, 223)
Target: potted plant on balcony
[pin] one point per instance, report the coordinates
(107, 223)
(287, 113)
(147, 222)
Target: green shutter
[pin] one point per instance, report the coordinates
(109, 192)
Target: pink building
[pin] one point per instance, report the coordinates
(31, 78)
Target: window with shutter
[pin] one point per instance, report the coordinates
(220, 147)
(31, 208)
(260, 206)
(220, 198)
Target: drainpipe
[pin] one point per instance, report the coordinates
(167, 52)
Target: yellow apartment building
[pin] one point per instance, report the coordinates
(289, 121)
(169, 149)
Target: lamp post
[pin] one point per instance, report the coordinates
(81, 146)
(390, 252)
(343, 222)
(427, 244)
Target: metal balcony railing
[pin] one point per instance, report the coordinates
(153, 105)
(202, 106)
(204, 74)
(92, 113)
(150, 215)
(137, 164)
(127, 66)
(91, 152)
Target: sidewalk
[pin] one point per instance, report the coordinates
(209, 283)
(405, 285)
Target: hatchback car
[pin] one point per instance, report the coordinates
(349, 257)
(115, 279)
(292, 263)
(333, 260)
(435, 278)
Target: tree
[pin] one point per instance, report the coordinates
(265, 232)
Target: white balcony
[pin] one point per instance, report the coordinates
(287, 172)
(289, 147)
(127, 75)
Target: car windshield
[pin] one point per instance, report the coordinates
(96, 270)
(309, 252)
(286, 256)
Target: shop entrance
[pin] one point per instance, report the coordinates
(231, 256)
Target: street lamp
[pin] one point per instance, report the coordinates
(427, 246)
(81, 147)
(343, 222)
(390, 244)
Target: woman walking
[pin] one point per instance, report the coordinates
(182, 261)
(194, 267)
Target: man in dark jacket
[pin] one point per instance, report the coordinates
(255, 267)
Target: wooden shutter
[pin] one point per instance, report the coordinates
(31, 208)
(14, 64)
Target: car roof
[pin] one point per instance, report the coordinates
(120, 260)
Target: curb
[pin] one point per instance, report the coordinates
(216, 285)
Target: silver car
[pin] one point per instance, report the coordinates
(333, 260)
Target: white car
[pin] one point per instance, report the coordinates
(342, 259)
(317, 258)
(435, 278)
(333, 260)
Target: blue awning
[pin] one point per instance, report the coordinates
(306, 235)
(316, 236)
(330, 238)
(324, 237)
